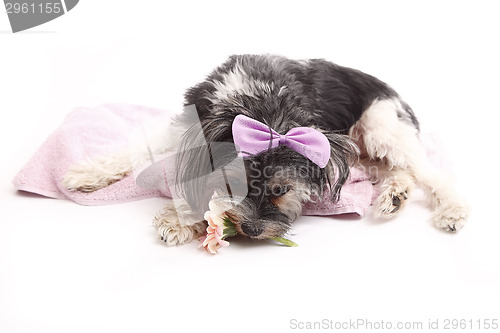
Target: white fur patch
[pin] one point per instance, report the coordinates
(282, 90)
(237, 81)
(384, 136)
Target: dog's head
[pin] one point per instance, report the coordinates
(267, 189)
(278, 182)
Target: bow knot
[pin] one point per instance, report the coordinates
(283, 139)
(252, 137)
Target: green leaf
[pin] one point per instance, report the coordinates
(230, 231)
(284, 241)
(229, 228)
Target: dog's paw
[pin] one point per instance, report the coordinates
(172, 230)
(391, 201)
(90, 177)
(175, 234)
(451, 217)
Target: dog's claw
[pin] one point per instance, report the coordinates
(392, 202)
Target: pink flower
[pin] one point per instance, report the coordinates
(215, 231)
(219, 226)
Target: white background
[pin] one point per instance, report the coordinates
(70, 268)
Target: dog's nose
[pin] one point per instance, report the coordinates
(251, 230)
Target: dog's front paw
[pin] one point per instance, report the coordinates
(172, 230)
(90, 177)
(452, 217)
(175, 234)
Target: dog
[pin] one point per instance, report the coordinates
(349, 116)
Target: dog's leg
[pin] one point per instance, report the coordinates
(396, 188)
(393, 144)
(395, 185)
(450, 211)
(92, 175)
(176, 223)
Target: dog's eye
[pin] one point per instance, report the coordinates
(280, 190)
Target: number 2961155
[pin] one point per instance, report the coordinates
(32, 8)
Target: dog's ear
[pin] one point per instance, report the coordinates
(203, 152)
(192, 165)
(344, 152)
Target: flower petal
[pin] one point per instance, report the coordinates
(207, 215)
(212, 247)
(223, 243)
(208, 239)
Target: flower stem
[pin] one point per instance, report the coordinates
(284, 241)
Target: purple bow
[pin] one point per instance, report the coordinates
(251, 137)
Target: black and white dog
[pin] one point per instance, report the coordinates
(364, 120)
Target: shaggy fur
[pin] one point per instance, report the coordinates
(364, 119)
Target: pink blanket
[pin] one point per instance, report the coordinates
(96, 131)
